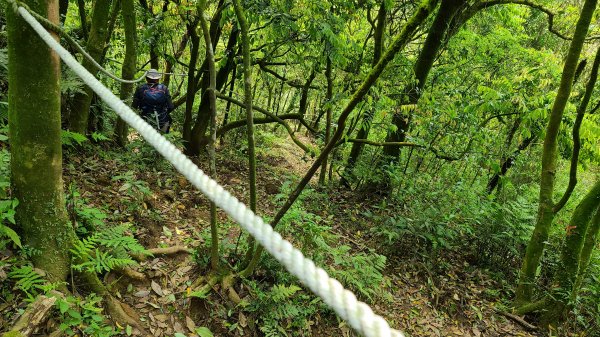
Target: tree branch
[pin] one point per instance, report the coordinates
(531, 4)
(275, 118)
(295, 84)
(373, 143)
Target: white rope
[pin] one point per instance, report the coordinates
(344, 302)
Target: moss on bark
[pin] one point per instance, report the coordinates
(35, 136)
(129, 66)
(535, 248)
(78, 120)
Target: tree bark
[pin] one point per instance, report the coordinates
(78, 120)
(328, 97)
(212, 76)
(191, 81)
(35, 143)
(589, 89)
(129, 66)
(412, 92)
(535, 248)
(562, 297)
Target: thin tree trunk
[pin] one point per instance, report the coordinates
(421, 13)
(365, 128)
(228, 106)
(212, 75)
(535, 248)
(197, 137)
(129, 66)
(328, 118)
(35, 143)
(191, 82)
(241, 16)
(176, 56)
(82, 19)
(591, 239)
(78, 120)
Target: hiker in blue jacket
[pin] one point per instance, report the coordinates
(154, 101)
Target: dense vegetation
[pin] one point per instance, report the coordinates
(440, 158)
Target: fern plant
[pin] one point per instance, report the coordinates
(27, 280)
(283, 310)
(106, 250)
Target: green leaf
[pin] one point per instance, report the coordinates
(204, 332)
(5, 230)
(129, 330)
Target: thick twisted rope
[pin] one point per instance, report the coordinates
(344, 302)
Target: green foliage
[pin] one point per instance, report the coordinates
(135, 189)
(106, 250)
(282, 310)
(72, 139)
(83, 315)
(70, 83)
(27, 280)
(7, 213)
(7, 204)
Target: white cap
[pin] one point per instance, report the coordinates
(153, 74)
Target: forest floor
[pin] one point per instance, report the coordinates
(458, 301)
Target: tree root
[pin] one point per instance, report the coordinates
(517, 319)
(227, 283)
(36, 314)
(113, 306)
(161, 251)
(530, 307)
(132, 274)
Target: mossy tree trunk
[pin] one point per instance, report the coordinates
(212, 76)
(412, 92)
(535, 248)
(562, 297)
(129, 66)
(329, 109)
(35, 143)
(591, 239)
(78, 119)
(191, 80)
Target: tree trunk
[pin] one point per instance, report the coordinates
(591, 239)
(35, 143)
(560, 302)
(589, 89)
(535, 248)
(212, 75)
(508, 163)
(328, 97)
(412, 92)
(78, 120)
(198, 137)
(129, 66)
(191, 81)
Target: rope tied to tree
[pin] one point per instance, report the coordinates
(359, 315)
